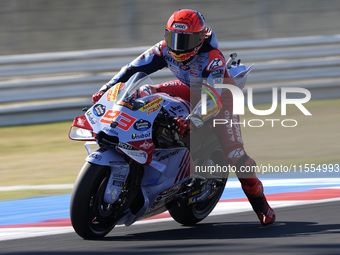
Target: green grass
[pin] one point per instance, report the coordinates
(316, 138)
(20, 194)
(43, 154)
(39, 154)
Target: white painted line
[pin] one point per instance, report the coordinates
(232, 183)
(20, 233)
(36, 187)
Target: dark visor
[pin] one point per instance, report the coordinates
(182, 42)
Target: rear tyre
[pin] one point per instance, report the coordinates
(189, 215)
(91, 217)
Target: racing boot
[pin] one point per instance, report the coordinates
(253, 189)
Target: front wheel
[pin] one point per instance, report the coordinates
(91, 217)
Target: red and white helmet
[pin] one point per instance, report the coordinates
(185, 33)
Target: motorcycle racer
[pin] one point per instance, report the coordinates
(190, 51)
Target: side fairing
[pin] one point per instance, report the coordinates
(106, 157)
(164, 177)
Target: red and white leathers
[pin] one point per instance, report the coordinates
(208, 64)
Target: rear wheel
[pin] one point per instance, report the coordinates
(193, 213)
(91, 217)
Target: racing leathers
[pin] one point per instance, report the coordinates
(208, 64)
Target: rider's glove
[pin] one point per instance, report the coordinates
(142, 91)
(100, 93)
(145, 91)
(97, 96)
(182, 126)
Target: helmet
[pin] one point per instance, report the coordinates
(184, 34)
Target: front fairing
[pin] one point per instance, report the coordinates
(127, 118)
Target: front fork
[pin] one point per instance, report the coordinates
(119, 169)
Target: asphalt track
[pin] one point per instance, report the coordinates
(308, 229)
(308, 222)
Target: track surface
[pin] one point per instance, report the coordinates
(308, 222)
(309, 229)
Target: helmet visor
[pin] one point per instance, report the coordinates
(182, 42)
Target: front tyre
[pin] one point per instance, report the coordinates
(90, 216)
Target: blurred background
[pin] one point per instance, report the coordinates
(32, 26)
(55, 54)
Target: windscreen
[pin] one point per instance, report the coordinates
(129, 95)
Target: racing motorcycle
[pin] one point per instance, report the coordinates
(141, 166)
